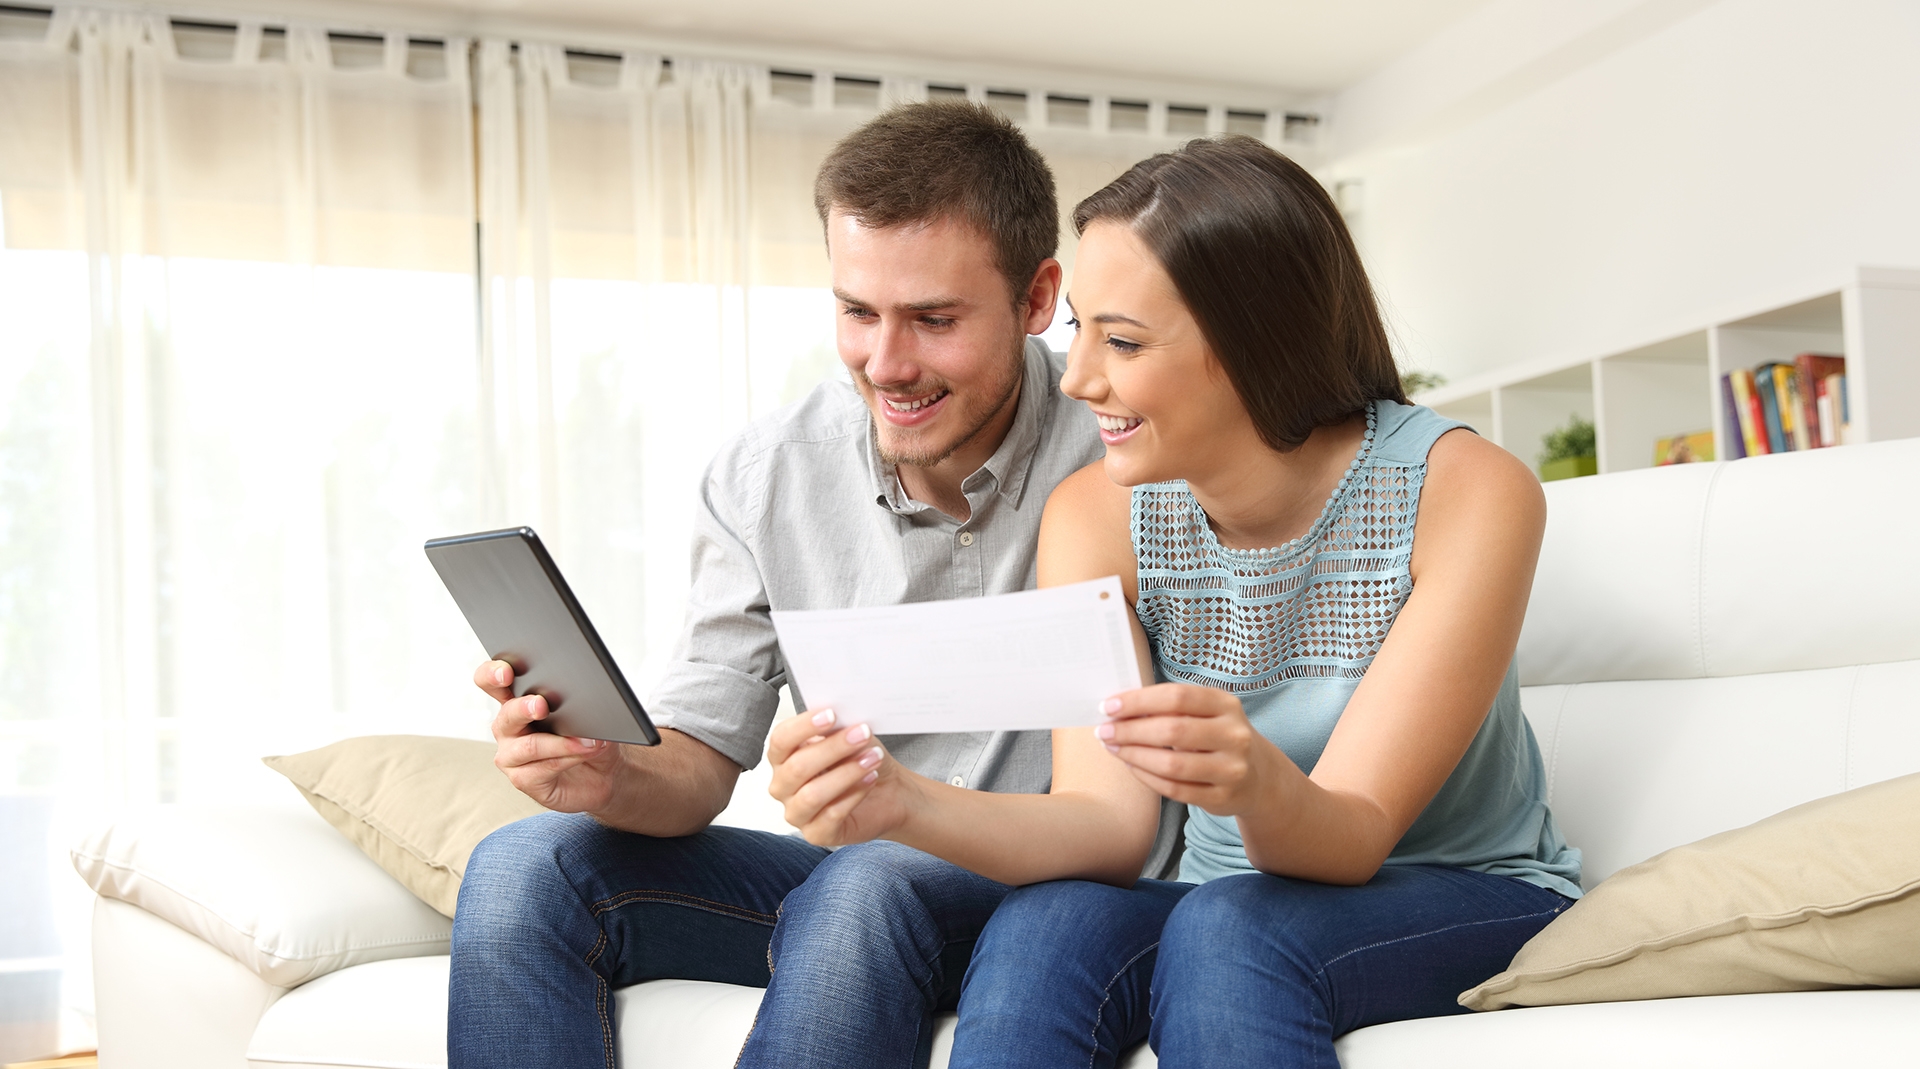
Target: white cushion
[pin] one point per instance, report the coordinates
(1796, 1030)
(1638, 767)
(1768, 564)
(393, 1015)
(165, 998)
(385, 1015)
(275, 887)
(1613, 594)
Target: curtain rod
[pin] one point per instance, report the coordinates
(364, 16)
(337, 35)
(1292, 124)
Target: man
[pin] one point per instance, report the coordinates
(926, 480)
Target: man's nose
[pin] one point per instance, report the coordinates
(893, 361)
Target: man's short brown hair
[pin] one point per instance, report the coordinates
(921, 162)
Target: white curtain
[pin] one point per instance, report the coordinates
(278, 304)
(239, 308)
(615, 247)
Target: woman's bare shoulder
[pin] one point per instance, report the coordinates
(1463, 464)
(1086, 531)
(1089, 494)
(1476, 491)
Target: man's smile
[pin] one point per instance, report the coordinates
(912, 411)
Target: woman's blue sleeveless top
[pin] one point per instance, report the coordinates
(1291, 631)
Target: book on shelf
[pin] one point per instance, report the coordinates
(1747, 413)
(1736, 441)
(1766, 384)
(1793, 425)
(1813, 375)
(1781, 407)
(1829, 403)
(1692, 448)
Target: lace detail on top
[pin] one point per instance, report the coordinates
(1319, 606)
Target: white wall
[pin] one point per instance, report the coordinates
(1578, 177)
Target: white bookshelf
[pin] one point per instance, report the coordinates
(1671, 386)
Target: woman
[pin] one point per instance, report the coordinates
(1331, 583)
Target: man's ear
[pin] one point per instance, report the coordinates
(1043, 292)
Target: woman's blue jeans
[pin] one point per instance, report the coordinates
(1250, 970)
(857, 948)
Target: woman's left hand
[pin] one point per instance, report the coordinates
(1193, 745)
(835, 783)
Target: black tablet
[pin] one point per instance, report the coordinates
(524, 613)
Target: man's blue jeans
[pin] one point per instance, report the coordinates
(855, 947)
(1250, 970)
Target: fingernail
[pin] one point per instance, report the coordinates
(1111, 748)
(1110, 706)
(871, 758)
(858, 734)
(823, 718)
(536, 706)
(1105, 731)
(500, 676)
(871, 776)
(591, 744)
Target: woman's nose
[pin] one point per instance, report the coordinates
(1082, 380)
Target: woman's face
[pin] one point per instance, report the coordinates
(1165, 407)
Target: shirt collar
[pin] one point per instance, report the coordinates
(1009, 465)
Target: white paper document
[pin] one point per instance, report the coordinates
(1012, 662)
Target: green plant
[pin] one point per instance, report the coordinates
(1413, 382)
(1573, 440)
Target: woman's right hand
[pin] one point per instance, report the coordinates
(564, 774)
(1196, 746)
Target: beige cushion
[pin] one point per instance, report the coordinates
(416, 805)
(1824, 895)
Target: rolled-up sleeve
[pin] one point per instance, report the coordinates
(723, 684)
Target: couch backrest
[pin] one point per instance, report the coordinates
(1709, 644)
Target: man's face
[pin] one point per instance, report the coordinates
(929, 331)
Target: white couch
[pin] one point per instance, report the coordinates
(1706, 645)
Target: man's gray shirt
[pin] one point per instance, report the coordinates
(799, 512)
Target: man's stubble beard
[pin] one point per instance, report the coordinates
(1003, 396)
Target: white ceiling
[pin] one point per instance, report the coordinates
(1301, 46)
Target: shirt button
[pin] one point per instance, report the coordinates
(959, 781)
(966, 538)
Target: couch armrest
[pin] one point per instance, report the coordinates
(274, 887)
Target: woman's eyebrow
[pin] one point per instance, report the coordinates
(1104, 317)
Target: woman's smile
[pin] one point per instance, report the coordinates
(1117, 429)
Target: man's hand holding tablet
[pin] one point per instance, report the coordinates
(569, 733)
(563, 773)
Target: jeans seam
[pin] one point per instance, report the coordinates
(778, 912)
(1331, 962)
(599, 944)
(1106, 996)
(675, 898)
(606, 1025)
